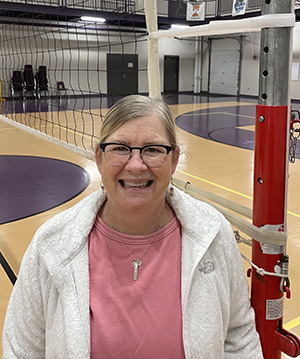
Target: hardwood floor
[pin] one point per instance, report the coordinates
(217, 167)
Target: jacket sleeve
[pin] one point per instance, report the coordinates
(242, 340)
(23, 332)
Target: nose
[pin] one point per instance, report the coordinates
(136, 162)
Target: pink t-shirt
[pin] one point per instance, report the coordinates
(139, 319)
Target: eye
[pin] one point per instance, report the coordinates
(118, 149)
(153, 151)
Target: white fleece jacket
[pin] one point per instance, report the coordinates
(48, 313)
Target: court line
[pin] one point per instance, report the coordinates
(215, 184)
(7, 268)
(227, 189)
(292, 324)
(197, 114)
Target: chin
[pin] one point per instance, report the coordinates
(136, 202)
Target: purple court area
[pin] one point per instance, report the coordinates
(31, 185)
(223, 124)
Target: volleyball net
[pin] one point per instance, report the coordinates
(60, 74)
(76, 54)
(54, 66)
(78, 58)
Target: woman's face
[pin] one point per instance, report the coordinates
(134, 185)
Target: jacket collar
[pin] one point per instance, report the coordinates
(200, 224)
(67, 232)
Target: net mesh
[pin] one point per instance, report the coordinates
(68, 99)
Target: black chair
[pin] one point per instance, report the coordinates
(17, 84)
(61, 88)
(42, 81)
(29, 80)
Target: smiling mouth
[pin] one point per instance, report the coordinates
(141, 185)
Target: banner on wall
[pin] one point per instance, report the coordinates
(239, 7)
(195, 11)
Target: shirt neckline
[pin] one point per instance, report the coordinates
(129, 239)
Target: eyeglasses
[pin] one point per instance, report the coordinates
(117, 154)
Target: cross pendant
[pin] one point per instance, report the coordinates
(135, 264)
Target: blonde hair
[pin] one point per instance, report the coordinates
(134, 106)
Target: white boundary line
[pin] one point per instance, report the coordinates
(80, 151)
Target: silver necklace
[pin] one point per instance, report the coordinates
(136, 263)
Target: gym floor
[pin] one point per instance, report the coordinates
(39, 179)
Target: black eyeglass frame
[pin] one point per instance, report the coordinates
(104, 145)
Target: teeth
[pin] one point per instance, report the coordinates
(135, 185)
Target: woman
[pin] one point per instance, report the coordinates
(138, 269)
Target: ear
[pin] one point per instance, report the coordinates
(175, 158)
(98, 157)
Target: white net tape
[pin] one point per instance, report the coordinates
(261, 235)
(225, 27)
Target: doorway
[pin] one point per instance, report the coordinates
(122, 74)
(171, 74)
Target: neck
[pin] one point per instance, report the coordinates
(136, 222)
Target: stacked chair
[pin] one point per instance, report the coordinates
(17, 85)
(26, 83)
(29, 81)
(42, 81)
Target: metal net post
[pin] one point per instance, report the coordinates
(270, 181)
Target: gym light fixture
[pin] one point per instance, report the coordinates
(93, 19)
(179, 26)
